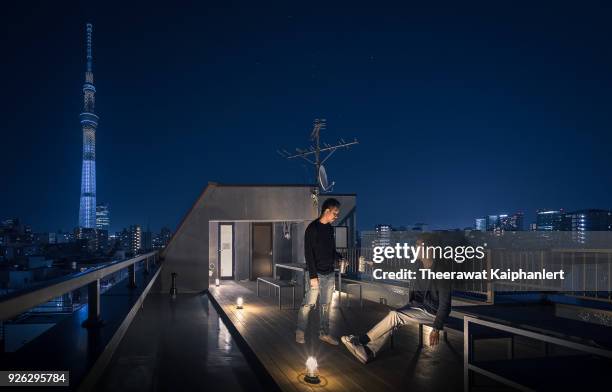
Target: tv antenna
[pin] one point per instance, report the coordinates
(317, 154)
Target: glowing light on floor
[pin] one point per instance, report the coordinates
(312, 370)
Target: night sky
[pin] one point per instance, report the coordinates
(460, 111)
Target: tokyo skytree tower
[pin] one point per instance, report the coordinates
(89, 123)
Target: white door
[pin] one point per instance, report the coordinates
(226, 251)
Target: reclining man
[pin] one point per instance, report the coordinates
(429, 303)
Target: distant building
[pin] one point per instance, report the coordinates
(16, 231)
(45, 238)
(588, 220)
(25, 271)
(64, 238)
(492, 222)
(480, 224)
(102, 217)
(147, 240)
(28, 234)
(383, 235)
(131, 239)
(102, 238)
(501, 222)
(113, 241)
(33, 262)
(419, 226)
(123, 239)
(10, 223)
(14, 279)
(161, 240)
(549, 220)
(512, 222)
(87, 239)
(165, 234)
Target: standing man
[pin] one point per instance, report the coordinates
(321, 257)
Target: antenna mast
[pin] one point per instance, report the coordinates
(317, 150)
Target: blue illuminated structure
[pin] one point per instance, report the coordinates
(89, 123)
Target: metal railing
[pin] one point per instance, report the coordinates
(360, 265)
(19, 302)
(588, 271)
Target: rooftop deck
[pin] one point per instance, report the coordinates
(270, 334)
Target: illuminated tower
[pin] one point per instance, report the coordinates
(89, 123)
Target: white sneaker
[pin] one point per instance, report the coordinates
(329, 339)
(299, 337)
(352, 344)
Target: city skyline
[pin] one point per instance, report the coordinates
(450, 127)
(432, 178)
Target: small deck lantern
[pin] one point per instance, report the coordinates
(239, 303)
(217, 282)
(312, 376)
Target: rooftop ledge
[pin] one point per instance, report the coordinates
(84, 351)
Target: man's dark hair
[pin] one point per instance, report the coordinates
(330, 203)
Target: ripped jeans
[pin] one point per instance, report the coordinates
(324, 292)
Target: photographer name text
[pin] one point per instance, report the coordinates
(492, 274)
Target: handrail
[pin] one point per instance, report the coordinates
(20, 302)
(579, 250)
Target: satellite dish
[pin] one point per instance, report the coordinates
(325, 185)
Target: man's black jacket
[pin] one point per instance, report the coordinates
(320, 248)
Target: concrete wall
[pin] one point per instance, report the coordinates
(188, 253)
(213, 254)
(282, 248)
(297, 234)
(242, 244)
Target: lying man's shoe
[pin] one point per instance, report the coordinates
(362, 353)
(329, 339)
(299, 337)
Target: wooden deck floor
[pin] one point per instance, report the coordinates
(270, 334)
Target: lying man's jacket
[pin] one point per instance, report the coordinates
(432, 295)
